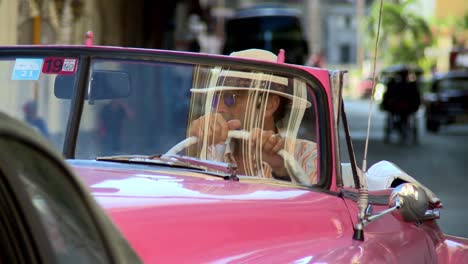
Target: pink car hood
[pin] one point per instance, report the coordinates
(176, 216)
(180, 216)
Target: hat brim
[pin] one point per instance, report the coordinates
(298, 102)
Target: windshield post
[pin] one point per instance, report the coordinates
(76, 108)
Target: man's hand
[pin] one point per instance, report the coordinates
(270, 143)
(217, 129)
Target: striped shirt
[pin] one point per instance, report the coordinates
(305, 153)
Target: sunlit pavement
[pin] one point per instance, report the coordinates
(439, 161)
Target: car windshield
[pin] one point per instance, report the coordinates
(146, 106)
(452, 84)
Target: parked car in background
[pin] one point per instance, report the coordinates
(447, 101)
(365, 88)
(161, 195)
(271, 27)
(458, 59)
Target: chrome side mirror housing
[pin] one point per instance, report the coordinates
(410, 201)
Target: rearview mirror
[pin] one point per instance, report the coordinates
(411, 202)
(104, 85)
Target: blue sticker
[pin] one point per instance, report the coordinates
(27, 69)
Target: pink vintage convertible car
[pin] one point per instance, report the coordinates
(148, 178)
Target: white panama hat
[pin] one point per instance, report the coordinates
(234, 80)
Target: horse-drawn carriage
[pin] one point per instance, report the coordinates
(401, 101)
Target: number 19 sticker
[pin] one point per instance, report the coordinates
(56, 65)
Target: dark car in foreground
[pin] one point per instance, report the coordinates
(139, 184)
(447, 101)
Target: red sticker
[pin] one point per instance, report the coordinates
(56, 65)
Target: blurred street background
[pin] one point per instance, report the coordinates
(439, 161)
(334, 34)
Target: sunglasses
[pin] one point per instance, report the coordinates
(229, 99)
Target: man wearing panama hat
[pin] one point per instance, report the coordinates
(269, 106)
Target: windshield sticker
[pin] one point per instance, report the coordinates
(57, 65)
(27, 69)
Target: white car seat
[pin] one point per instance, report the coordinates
(381, 175)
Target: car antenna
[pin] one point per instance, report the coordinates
(363, 198)
(371, 102)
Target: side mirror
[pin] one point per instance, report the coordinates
(104, 85)
(411, 202)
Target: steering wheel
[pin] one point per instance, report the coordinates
(292, 166)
